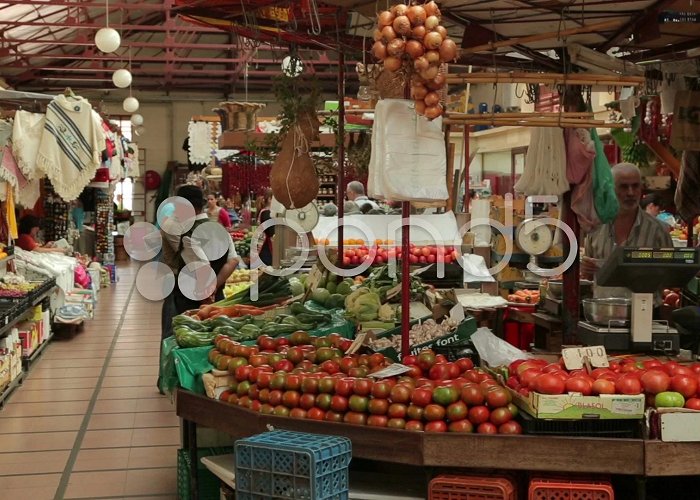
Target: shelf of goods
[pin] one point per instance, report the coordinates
(56, 214)
(104, 226)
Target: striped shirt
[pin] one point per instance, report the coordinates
(647, 232)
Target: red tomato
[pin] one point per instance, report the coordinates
(358, 403)
(434, 412)
(465, 364)
(275, 397)
(461, 426)
(528, 376)
(426, 359)
(315, 414)
(511, 427)
(500, 416)
(487, 428)
(478, 415)
(290, 399)
(445, 395)
(628, 384)
(603, 386)
(396, 423)
(422, 396)
(581, 384)
(334, 416)
(687, 386)
(339, 403)
(400, 394)
(652, 363)
(362, 386)
(397, 410)
(693, 403)
(297, 413)
(381, 389)
(498, 397)
(323, 401)
(655, 381)
(355, 418)
(281, 411)
(344, 386)
(440, 371)
(415, 412)
(599, 371)
(548, 383)
(436, 426)
(414, 425)
(307, 401)
(472, 395)
(670, 367)
(377, 421)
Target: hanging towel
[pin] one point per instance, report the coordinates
(71, 146)
(687, 199)
(10, 215)
(545, 164)
(27, 132)
(26, 192)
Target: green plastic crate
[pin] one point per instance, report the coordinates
(209, 484)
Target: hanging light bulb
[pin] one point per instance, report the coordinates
(107, 39)
(136, 119)
(292, 66)
(131, 104)
(121, 78)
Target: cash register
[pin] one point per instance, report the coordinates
(643, 271)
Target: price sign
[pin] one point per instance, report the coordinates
(391, 371)
(575, 357)
(357, 343)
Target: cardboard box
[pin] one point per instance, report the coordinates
(572, 406)
(678, 425)
(29, 336)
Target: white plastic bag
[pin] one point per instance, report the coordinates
(495, 351)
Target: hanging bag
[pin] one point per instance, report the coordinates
(606, 205)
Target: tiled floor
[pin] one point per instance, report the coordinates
(88, 422)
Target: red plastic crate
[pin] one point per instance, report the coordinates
(549, 489)
(452, 487)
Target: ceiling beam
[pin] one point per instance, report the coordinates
(94, 26)
(642, 17)
(675, 51)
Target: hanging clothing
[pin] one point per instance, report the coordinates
(545, 164)
(27, 132)
(26, 192)
(71, 146)
(686, 198)
(200, 138)
(10, 215)
(580, 153)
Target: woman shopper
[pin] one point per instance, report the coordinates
(215, 213)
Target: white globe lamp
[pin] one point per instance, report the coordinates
(292, 66)
(107, 40)
(131, 104)
(136, 120)
(121, 78)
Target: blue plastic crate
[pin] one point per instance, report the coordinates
(297, 465)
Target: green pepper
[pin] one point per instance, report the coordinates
(186, 337)
(191, 323)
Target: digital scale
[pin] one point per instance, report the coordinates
(643, 271)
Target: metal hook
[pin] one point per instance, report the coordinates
(314, 18)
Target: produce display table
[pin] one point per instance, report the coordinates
(522, 452)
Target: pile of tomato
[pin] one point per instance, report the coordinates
(668, 384)
(380, 255)
(312, 378)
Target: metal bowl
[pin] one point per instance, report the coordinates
(607, 311)
(555, 289)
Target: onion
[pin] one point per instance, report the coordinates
(417, 15)
(414, 49)
(448, 50)
(436, 83)
(431, 99)
(419, 33)
(420, 107)
(379, 50)
(430, 73)
(418, 92)
(377, 35)
(385, 18)
(392, 63)
(402, 25)
(399, 9)
(432, 112)
(396, 47)
(432, 40)
(388, 33)
(433, 56)
(421, 64)
(431, 9)
(442, 30)
(431, 23)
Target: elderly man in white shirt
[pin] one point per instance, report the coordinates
(356, 193)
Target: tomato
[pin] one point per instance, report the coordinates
(275, 398)
(461, 426)
(243, 388)
(628, 384)
(695, 367)
(267, 409)
(436, 426)
(510, 427)
(323, 401)
(457, 411)
(290, 399)
(295, 355)
(254, 392)
(344, 386)
(471, 394)
(415, 412)
(580, 384)
(414, 425)
(693, 403)
(445, 396)
(410, 360)
(283, 365)
(396, 423)
(500, 416)
(333, 416)
(362, 386)
(309, 385)
(281, 411)
(347, 362)
(548, 383)
(670, 367)
(603, 386)
(426, 359)
(487, 428)
(381, 389)
(377, 421)
(400, 394)
(434, 412)
(233, 399)
(297, 413)
(684, 370)
(464, 364)
(339, 403)
(655, 381)
(377, 406)
(528, 376)
(687, 386)
(256, 360)
(439, 371)
(599, 371)
(652, 363)
(376, 359)
(315, 414)
(358, 372)
(358, 403)
(669, 400)
(397, 410)
(498, 397)
(307, 401)
(355, 418)
(478, 414)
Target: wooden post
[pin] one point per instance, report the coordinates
(571, 309)
(340, 188)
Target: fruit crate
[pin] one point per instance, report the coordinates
(208, 484)
(562, 489)
(297, 465)
(454, 487)
(622, 428)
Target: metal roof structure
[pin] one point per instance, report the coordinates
(222, 45)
